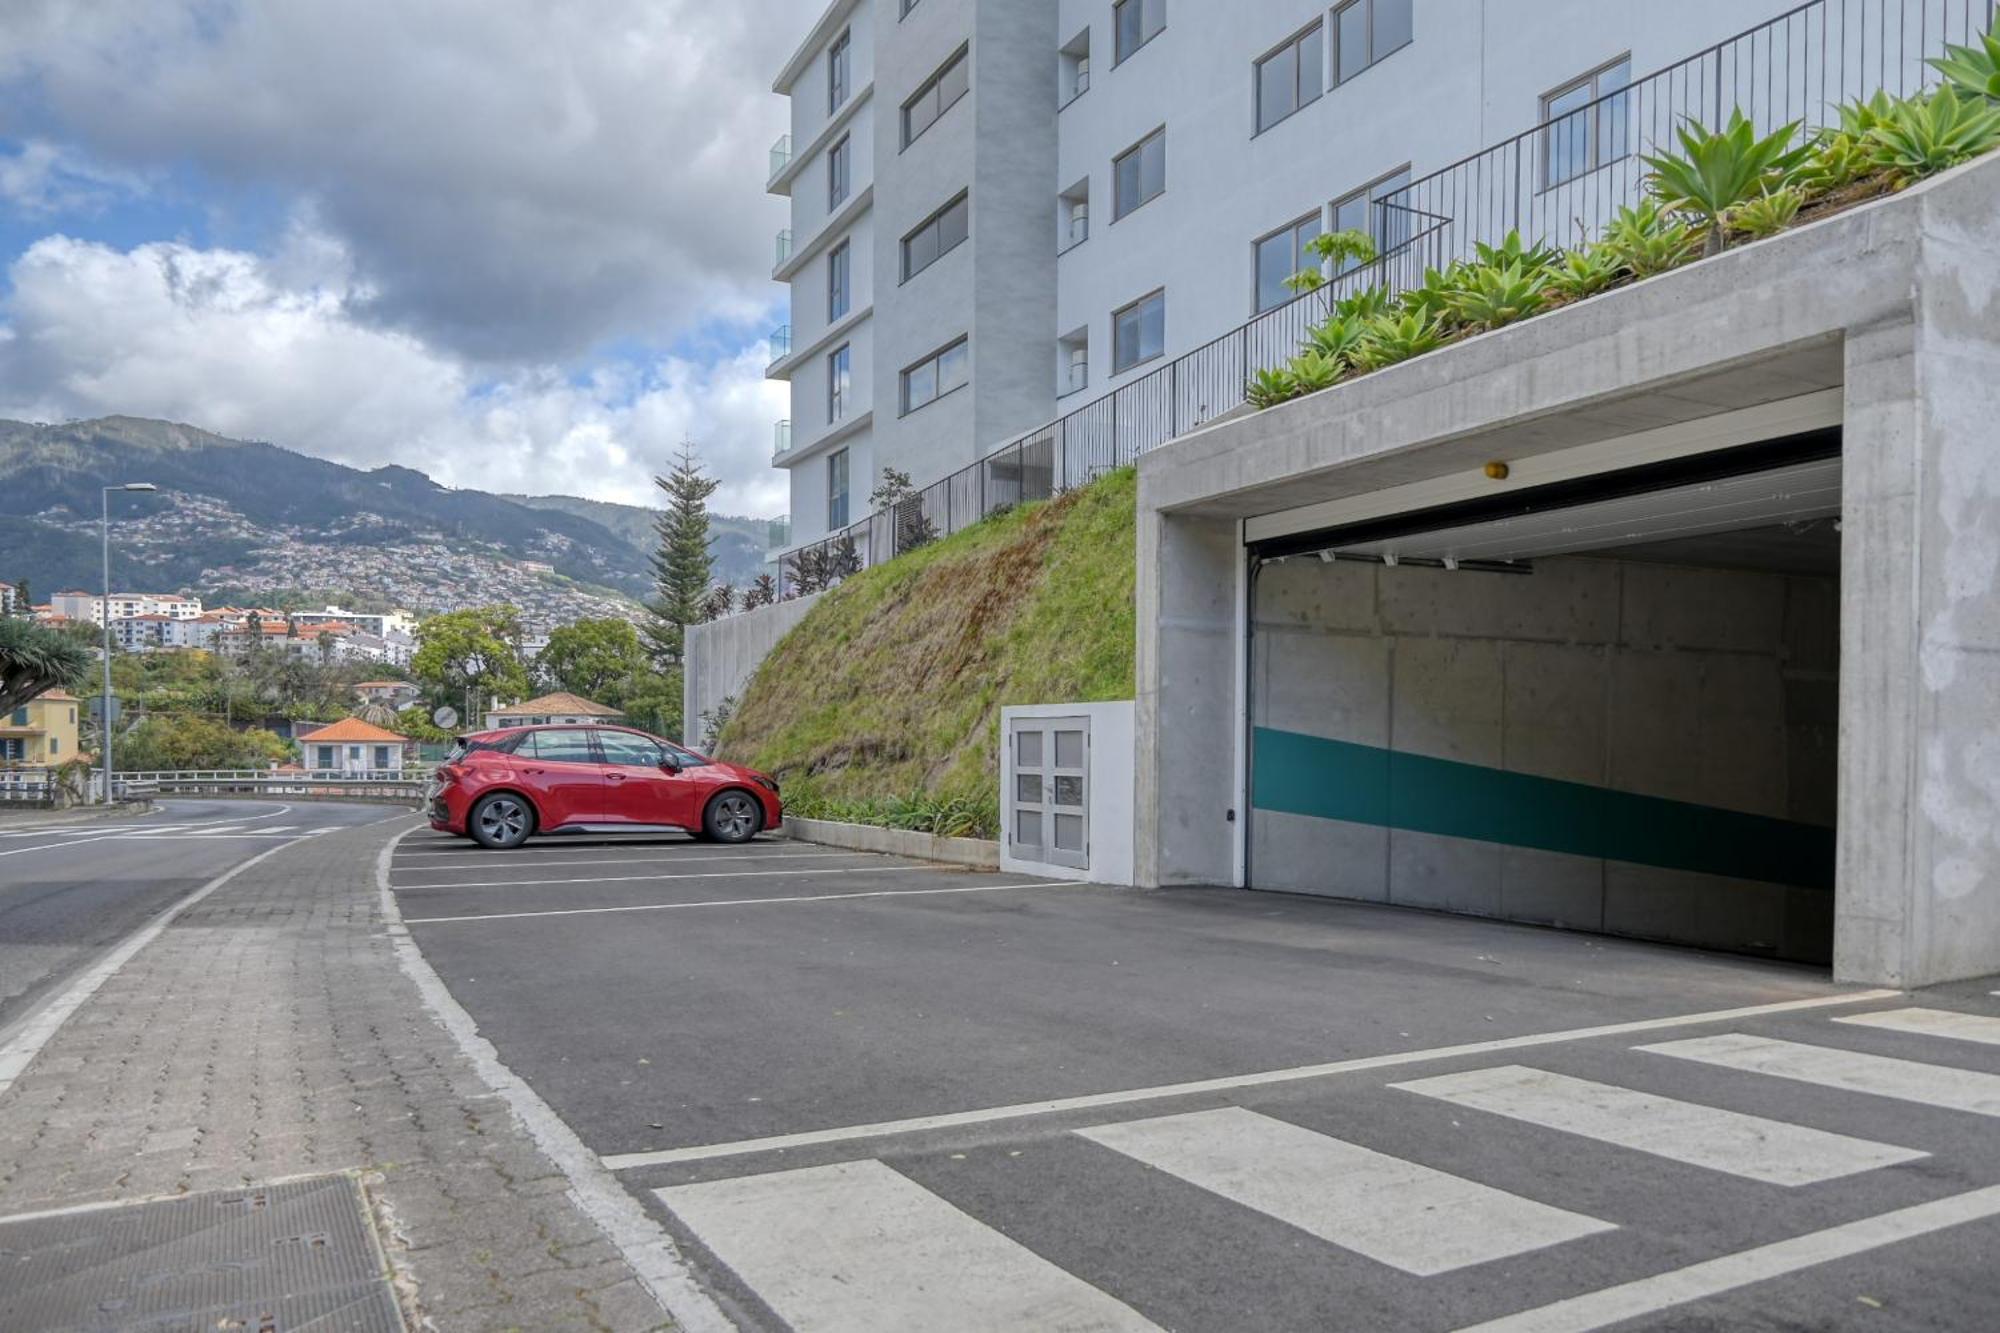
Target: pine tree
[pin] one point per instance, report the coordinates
(683, 565)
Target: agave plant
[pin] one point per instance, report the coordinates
(1973, 69)
(1717, 170)
(1513, 250)
(1364, 304)
(1839, 159)
(1268, 388)
(1497, 294)
(1391, 338)
(1586, 272)
(1336, 338)
(1861, 115)
(1927, 135)
(1645, 241)
(1313, 370)
(1436, 297)
(1768, 214)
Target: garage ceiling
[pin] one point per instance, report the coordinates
(1793, 495)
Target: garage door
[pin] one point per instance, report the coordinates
(1608, 704)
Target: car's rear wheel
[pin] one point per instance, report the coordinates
(500, 821)
(732, 816)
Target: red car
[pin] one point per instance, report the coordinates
(500, 788)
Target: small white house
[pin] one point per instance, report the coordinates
(550, 710)
(353, 748)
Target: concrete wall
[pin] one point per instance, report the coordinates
(722, 655)
(1894, 304)
(1709, 687)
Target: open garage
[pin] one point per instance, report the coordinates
(1607, 703)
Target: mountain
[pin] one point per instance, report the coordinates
(256, 520)
(740, 543)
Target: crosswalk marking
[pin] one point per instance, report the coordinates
(1742, 1145)
(1932, 1023)
(1396, 1212)
(860, 1248)
(1851, 1071)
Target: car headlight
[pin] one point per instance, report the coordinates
(768, 784)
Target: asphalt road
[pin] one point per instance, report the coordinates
(865, 1094)
(68, 892)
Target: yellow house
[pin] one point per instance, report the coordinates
(41, 732)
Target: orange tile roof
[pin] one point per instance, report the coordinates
(352, 729)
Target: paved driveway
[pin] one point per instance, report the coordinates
(872, 1094)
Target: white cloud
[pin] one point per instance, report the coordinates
(277, 348)
(43, 180)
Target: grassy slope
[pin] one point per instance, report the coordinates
(894, 682)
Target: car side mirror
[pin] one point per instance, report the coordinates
(670, 768)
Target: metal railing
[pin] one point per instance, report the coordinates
(781, 343)
(781, 436)
(783, 248)
(406, 785)
(781, 155)
(1556, 183)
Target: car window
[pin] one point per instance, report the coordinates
(630, 751)
(565, 745)
(685, 758)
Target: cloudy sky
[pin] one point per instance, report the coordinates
(518, 244)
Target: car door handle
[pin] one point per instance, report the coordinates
(615, 777)
(536, 772)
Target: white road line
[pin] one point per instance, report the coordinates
(1393, 1211)
(644, 1244)
(485, 864)
(32, 1033)
(1850, 1071)
(1230, 1083)
(1742, 1145)
(1933, 1023)
(742, 902)
(1630, 1300)
(641, 879)
(858, 1248)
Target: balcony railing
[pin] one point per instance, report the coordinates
(1799, 66)
(781, 155)
(784, 247)
(781, 343)
(781, 437)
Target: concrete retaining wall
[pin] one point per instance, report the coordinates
(976, 853)
(722, 655)
(1713, 689)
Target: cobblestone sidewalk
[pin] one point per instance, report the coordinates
(270, 1032)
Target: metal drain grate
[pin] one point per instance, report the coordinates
(272, 1259)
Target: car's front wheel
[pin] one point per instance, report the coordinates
(733, 816)
(500, 821)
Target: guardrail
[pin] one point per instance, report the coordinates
(1556, 182)
(278, 782)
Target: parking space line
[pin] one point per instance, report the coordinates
(1630, 1300)
(1933, 1023)
(751, 902)
(1229, 1083)
(1851, 1071)
(635, 861)
(698, 874)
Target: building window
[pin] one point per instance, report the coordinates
(935, 376)
(1136, 22)
(1139, 173)
(1279, 256)
(1139, 332)
(837, 165)
(1291, 76)
(1585, 123)
(325, 757)
(837, 281)
(381, 756)
(836, 490)
(936, 236)
(1387, 226)
(940, 92)
(839, 382)
(837, 66)
(1364, 31)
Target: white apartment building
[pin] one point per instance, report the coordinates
(381, 624)
(1002, 210)
(79, 605)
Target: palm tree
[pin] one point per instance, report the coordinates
(34, 660)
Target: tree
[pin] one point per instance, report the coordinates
(472, 652)
(35, 660)
(912, 527)
(683, 564)
(763, 591)
(184, 741)
(721, 600)
(655, 702)
(598, 659)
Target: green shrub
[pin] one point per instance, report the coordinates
(1646, 241)
(1586, 272)
(1268, 388)
(1500, 294)
(1336, 338)
(1926, 135)
(1973, 70)
(1717, 170)
(1767, 214)
(1390, 338)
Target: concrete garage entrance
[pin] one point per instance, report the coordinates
(1608, 703)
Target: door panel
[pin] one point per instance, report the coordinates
(1051, 766)
(636, 789)
(563, 771)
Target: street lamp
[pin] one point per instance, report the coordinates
(104, 615)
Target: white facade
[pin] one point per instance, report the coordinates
(124, 606)
(1052, 104)
(379, 623)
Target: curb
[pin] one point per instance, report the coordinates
(976, 853)
(81, 814)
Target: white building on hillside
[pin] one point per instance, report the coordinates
(79, 605)
(1001, 210)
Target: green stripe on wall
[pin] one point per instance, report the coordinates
(1298, 774)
